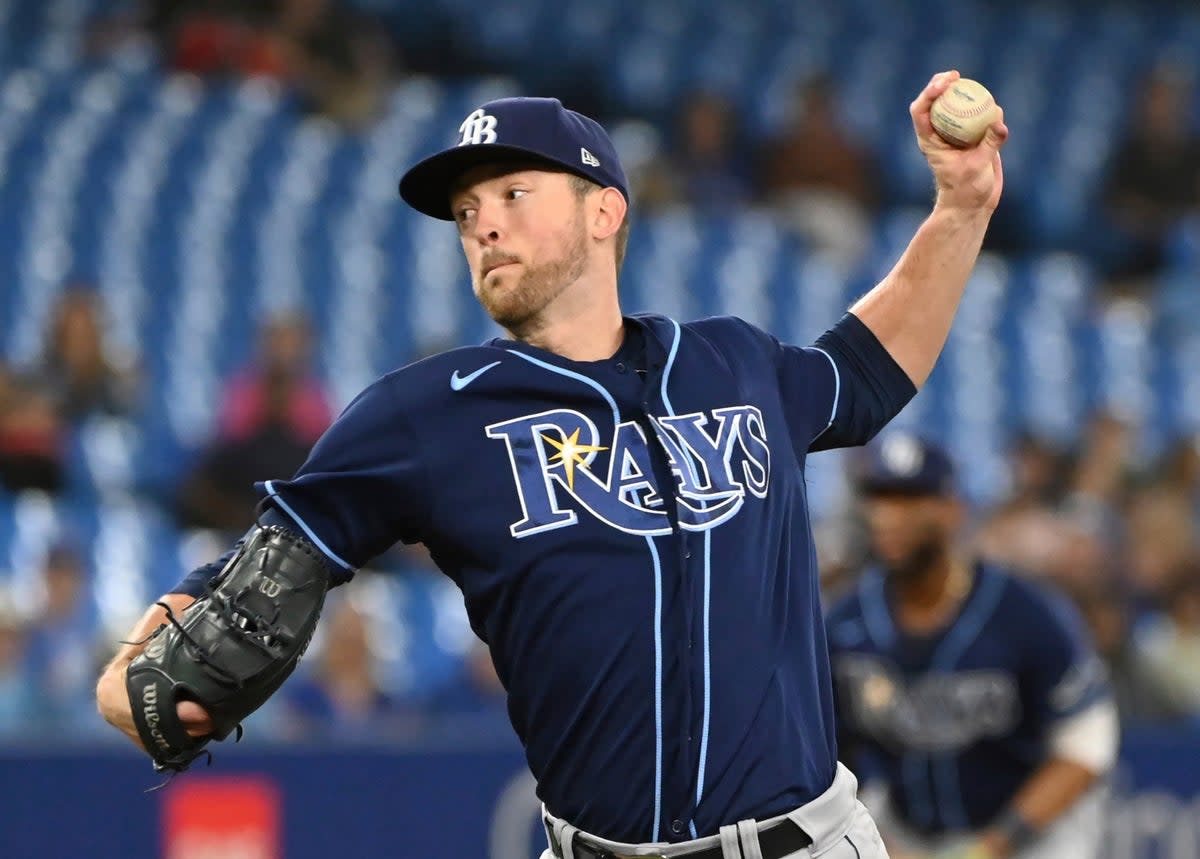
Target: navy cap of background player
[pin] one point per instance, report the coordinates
(904, 464)
(516, 130)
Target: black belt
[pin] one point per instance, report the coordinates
(779, 840)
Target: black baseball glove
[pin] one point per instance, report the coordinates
(231, 649)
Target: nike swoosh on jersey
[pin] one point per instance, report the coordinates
(457, 382)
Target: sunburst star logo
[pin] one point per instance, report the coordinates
(571, 453)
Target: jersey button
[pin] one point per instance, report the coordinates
(620, 368)
(677, 827)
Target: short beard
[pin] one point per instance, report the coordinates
(518, 308)
(920, 560)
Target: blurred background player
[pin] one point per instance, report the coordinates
(971, 696)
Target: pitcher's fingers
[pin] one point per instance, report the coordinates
(921, 105)
(194, 718)
(996, 133)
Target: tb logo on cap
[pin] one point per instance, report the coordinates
(902, 455)
(478, 127)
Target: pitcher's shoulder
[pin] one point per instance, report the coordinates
(729, 331)
(437, 376)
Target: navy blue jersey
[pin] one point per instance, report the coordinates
(665, 662)
(957, 720)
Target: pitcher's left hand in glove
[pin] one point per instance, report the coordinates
(232, 648)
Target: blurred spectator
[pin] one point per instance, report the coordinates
(428, 638)
(217, 37)
(705, 165)
(271, 414)
(1066, 548)
(335, 59)
(1038, 472)
(341, 696)
(62, 655)
(32, 437)
(1140, 696)
(475, 704)
(1170, 642)
(283, 367)
(1180, 467)
(17, 705)
(1153, 180)
(138, 22)
(482, 669)
(204, 37)
(1062, 518)
(76, 368)
(219, 493)
(1085, 553)
(332, 55)
(1105, 466)
(1162, 542)
(818, 176)
(1025, 531)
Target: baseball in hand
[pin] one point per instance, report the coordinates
(962, 114)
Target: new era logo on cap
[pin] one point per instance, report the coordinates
(515, 131)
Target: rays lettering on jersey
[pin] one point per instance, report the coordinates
(562, 467)
(937, 713)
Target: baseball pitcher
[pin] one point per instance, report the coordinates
(620, 498)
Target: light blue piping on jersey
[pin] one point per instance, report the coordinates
(707, 603)
(837, 391)
(966, 629)
(707, 672)
(875, 611)
(658, 687)
(943, 775)
(882, 632)
(579, 377)
(658, 587)
(670, 365)
(913, 767)
(329, 553)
